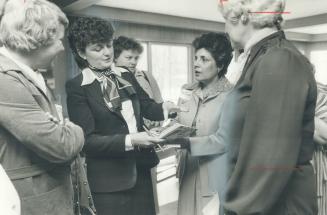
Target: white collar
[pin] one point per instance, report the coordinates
(89, 76)
(35, 76)
(261, 34)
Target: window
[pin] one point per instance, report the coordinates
(143, 61)
(318, 59)
(170, 67)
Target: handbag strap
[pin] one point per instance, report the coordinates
(84, 201)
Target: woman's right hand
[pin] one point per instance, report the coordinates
(143, 140)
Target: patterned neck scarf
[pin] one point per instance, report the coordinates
(114, 88)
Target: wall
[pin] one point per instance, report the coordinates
(318, 56)
(65, 67)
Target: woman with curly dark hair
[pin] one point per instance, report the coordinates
(202, 163)
(109, 104)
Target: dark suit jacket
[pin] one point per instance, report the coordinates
(110, 167)
(268, 124)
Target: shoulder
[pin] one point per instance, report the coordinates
(284, 60)
(14, 88)
(74, 83)
(191, 86)
(285, 52)
(225, 85)
(187, 90)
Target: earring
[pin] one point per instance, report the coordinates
(244, 19)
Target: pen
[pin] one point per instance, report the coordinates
(150, 134)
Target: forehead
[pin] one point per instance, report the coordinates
(130, 52)
(99, 43)
(203, 52)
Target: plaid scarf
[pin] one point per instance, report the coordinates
(114, 88)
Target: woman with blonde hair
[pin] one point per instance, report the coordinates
(36, 147)
(268, 118)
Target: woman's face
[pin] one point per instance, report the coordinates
(128, 58)
(45, 55)
(235, 30)
(205, 68)
(99, 55)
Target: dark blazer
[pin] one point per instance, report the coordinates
(268, 124)
(110, 167)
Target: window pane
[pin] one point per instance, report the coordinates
(318, 59)
(143, 61)
(170, 69)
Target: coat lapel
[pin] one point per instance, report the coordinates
(43, 100)
(94, 92)
(46, 102)
(192, 107)
(128, 76)
(137, 111)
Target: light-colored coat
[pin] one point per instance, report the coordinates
(149, 85)
(35, 151)
(207, 152)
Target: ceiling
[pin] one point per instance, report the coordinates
(208, 9)
(303, 14)
(314, 29)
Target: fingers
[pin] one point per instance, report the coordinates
(183, 109)
(176, 109)
(166, 112)
(170, 107)
(147, 144)
(155, 140)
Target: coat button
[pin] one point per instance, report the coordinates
(85, 183)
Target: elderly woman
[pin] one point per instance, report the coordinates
(203, 163)
(35, 148)
(108, 103)
(127, 53)
(268, 118)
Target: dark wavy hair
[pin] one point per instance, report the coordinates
(125, 43)
(85, 31)
(219, 46)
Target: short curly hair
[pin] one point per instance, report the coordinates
(85, 31)
(125, 43)
(30, 25)
(219, 46)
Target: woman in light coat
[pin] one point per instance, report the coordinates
(202, 164)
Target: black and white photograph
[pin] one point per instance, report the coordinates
(163, 107)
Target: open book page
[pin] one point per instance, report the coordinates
(174, 130)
